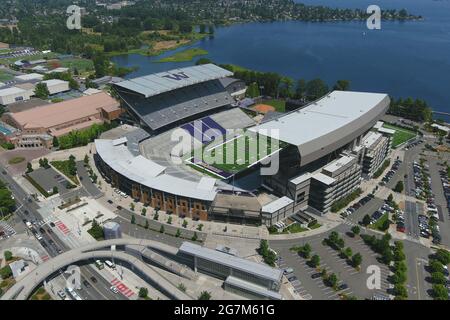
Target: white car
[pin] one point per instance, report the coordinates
(114, 289)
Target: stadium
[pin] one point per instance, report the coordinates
(196, 152)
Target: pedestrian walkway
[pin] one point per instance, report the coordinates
(6, 230)
(122, 288)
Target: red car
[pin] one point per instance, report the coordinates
(400, 228)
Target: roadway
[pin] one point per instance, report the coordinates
(27, 209)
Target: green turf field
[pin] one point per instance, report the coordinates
(401, 135)
(239, 153)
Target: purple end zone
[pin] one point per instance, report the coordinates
(220, 172)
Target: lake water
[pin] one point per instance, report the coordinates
(402, 59)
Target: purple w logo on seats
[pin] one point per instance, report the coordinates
(177, 76)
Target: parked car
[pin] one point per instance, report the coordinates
(114, 289)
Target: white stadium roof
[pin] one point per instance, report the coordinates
(148, 173)
(158, 83)
(328, 123)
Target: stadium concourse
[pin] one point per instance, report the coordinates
(189, 116)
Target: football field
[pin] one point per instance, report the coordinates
(239, 153)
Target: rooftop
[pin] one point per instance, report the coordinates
(149, 173)
(10, 91)
(335, 166)
(158, 83)
(327, 124)
(277, 205)
(234, 262)
(30, 76)
(54, 114)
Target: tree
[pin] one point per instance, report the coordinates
(332, 280)
(55, 142)
(203, 61)
(144, 211)
(161, 230)
(143, 292)
(185, 223)
(185, 27)
(342, 85)
(194, 237)
(86, 160)
(356, 230)
(436, 266)
(357, 260)
(178, 234)
(8, 255)
(253, 90)
(443, 256)
(146, 224)
(390, 198)
(55, 190)
(440, 292)
(399, 187)
(400, 292)
(29, 167)
(438, 278)
(156, 216)
(132, 206)
(41, 91)
(315, 89)
(202, 28)
(204, 295)
(347, 252)
(169, 220)
(101, 65)
(366, 220)
(315, 261)
(133, 219)
(306, 250)
(96, 230)
(300, 90)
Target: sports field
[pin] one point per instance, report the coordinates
(401, 135)
(237, 154)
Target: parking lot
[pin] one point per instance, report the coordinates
(49, 178)
(310, 285)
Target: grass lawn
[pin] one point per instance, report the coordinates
(401, 135)
(5, 76)
(39, 56)
(82, 65)
(279, 105)
(63, 166)
(41, 294)
(246, 153)
(315, 226)
(183, 56)
(16, 160)
(295, 228)
(378, 225)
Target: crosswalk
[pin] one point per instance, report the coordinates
(122, 288)
(6, 230)
(62, 227)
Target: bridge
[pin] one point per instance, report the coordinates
(102, 250)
